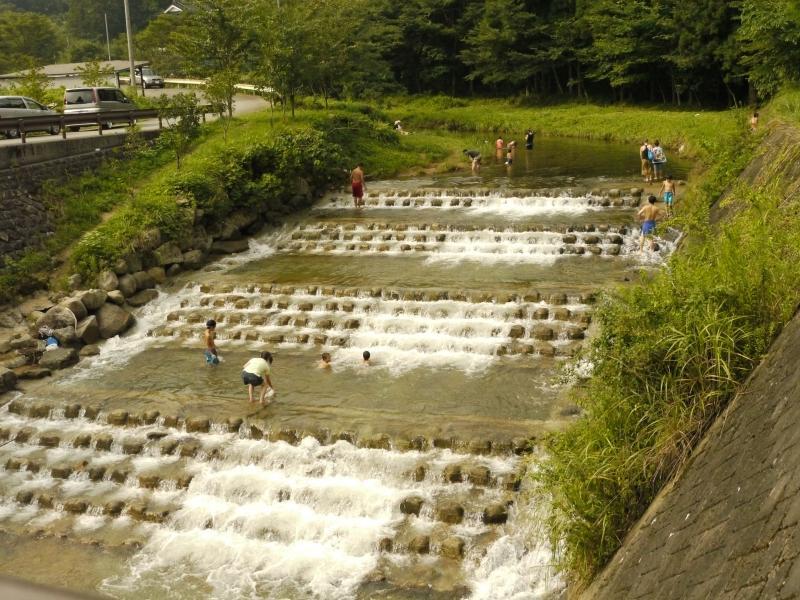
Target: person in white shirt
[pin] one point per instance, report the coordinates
(256, 372)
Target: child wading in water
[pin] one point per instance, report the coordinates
(210, 337)
(648, 214)
(256, 372)
(325, 361)
(668, 189)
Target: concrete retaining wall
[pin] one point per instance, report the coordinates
(729, 525)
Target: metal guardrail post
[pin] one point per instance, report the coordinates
(21, 130)
(99, 124)
(63, 127)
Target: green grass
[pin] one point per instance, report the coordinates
(669, 355)
(699, 132)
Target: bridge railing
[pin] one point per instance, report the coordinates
(62, 123)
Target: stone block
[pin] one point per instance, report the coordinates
(60, 358)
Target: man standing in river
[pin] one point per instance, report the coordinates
(358, 184)
(648, 214)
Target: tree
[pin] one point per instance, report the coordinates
(94, 74)
(28, 40)
(183, 118)
(87, 20)
(35, 84)
(153, 43)
(214, 42)
(770, 38)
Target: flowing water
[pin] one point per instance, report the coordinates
(144, 474)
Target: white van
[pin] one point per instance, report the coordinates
(93, 100)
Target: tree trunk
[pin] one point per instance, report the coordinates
(557, 80)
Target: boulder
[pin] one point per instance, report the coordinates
(173, 270)
(7, 380)
(116, 297)
(495, 514)
(229, 247)
(168, 254)
(66, 336)
(144, 280)
(411, 505)
(120, 266)
(60, 358)
(193, 259)
(93, 299)
(113, 320)
(90, 349)
(56, 318)
(150, 239)
(76, 307)
(450, 512)
(31, 372)
(158, 274)
(88, 330)
(38, 304)
(453, 547)
(143, 297)
(127, 285)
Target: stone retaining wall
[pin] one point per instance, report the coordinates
(24, 170)
(727, 526)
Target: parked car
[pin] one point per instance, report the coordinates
(93, 100)
(151, 79)
(12, 107)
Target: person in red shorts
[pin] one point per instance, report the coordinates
(359, 186)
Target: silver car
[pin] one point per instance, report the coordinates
(151, 80)
(14, 107)
(93, 100)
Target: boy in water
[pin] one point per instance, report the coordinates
(475, 158)
(648, 214)
(529, 140)
(366, 356)
(256, 372)
(668, 189)
(510, 152)
(359, 185)
(210, 337)
(325, 361)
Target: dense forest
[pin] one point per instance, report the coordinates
(696, 52)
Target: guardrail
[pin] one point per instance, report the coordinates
(61, 123)
(244, 87)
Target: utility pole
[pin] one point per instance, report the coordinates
(130, 47)
(108, 39)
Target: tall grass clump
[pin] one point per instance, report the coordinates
(669, 355)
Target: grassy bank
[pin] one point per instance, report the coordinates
(103, 215)
(670, 354)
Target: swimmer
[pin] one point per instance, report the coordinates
(366, 356)
(325, 361)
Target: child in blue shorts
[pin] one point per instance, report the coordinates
(668, 193)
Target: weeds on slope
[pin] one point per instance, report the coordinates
(670, 354)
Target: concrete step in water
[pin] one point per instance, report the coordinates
(76, 426)
(551, 327)
(445, 242)
(121, 484)
(504, 201)
(381, 227)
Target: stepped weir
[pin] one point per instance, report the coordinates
(401, 479)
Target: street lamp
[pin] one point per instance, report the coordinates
(130, 47)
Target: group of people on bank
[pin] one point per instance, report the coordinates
(654, 162)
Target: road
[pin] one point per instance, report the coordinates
(243, 104)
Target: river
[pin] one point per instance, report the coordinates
(400, 479)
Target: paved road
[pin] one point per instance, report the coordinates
(243, 104)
